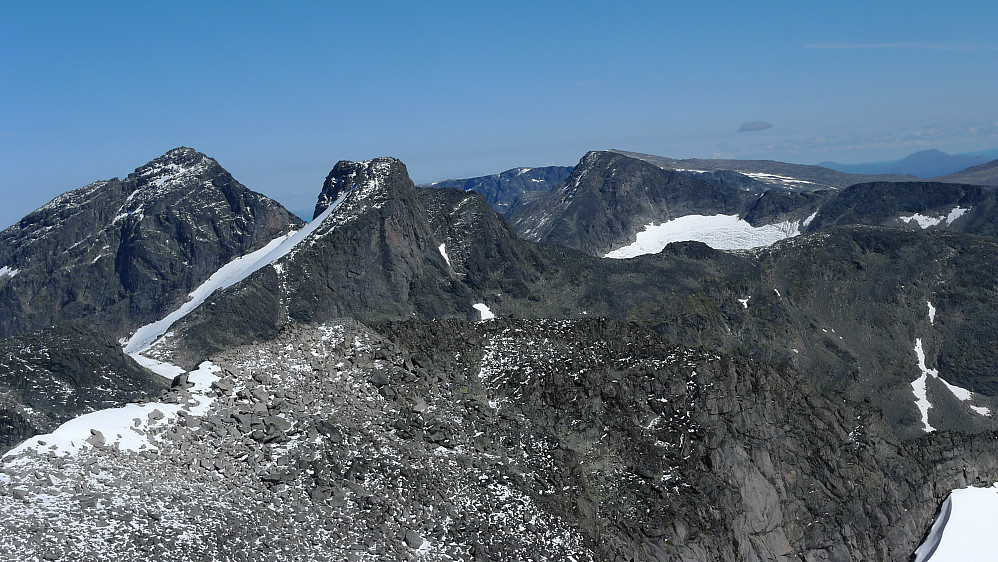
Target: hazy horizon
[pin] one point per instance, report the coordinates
(277, 96)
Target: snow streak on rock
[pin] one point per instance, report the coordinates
(227, 276)
(920, 388)
(443, 252)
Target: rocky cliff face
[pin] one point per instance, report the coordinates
(912, 205)
(847, 307)
(691, 405)
(126, 251)
(384, 250)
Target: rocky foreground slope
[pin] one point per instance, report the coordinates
(502, 440)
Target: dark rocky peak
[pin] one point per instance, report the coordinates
(364, 183)
(610, 196)
(127, 250)
(176, 161)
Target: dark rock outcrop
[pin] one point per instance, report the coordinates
(507, 191)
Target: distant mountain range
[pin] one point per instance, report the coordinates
(924, 164)
(981, 174)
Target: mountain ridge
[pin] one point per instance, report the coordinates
(350, 378)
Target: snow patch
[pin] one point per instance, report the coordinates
(721, 232)
(956, 213)
(810, 218)
(922, 220)
(744, 301)
(7, 271)
(981, 410)
(932, 313)
(124, 428)
(443, 252)
(964, 528)
(773, 178)
(922, 401)
(484, 311)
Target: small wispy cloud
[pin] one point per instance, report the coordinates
(899, 46)
(754, 126)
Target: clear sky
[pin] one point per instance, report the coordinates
(278, 94)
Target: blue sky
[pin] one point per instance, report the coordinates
(277, 95)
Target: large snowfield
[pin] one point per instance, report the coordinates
(721, 232)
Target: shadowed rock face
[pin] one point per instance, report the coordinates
(845, 306)
(125, 251)
(610, 197)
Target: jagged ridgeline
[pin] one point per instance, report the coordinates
(812, 394)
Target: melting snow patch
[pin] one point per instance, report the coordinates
(773, 178)
(919, 387)
(808, 220)
(484, 311)
(981, 410)
(164, 370)
(6, 271)
(778, 293)
(932, 313)
(722, 232)
(922, 401)
(443, 252)
(964, 528)
(744, 301)
(922, 220)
